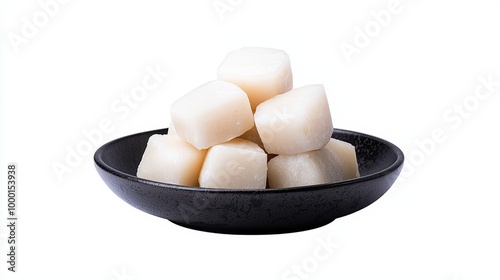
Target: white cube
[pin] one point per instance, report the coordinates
(168, 159)
(295, 122)
(347, 157)
(211, 114)
(310, 168)
(237, 164)
(261, 72)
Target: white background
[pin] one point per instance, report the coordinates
(406, 80)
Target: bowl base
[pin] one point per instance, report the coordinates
(251, 231)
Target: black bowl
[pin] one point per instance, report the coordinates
(250, 211)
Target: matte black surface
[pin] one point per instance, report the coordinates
(250, 211)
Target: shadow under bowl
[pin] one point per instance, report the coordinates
(239, 211)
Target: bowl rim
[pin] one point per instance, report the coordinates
(98, 161)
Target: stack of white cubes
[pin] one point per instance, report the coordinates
(224, 132)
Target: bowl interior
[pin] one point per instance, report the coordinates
(373, 154)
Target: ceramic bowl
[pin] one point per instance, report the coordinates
(250, 211)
